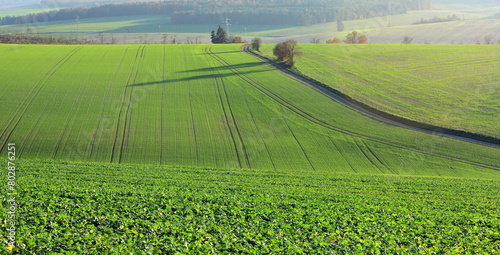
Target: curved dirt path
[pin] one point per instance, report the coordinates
(358, 108)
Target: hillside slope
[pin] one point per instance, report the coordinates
(202, 105)
(451, 86)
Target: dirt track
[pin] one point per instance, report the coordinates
(358, 108)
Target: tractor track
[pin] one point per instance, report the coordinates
(341, 154)
(365, 112)
(300, 145)
(366, 156)
(128, 113)
(216, 78)
(70, 116)
(260, 135)
(231, 112)
(104, 105)
(191, 109)
(161, 105)
(121, 107)
(28, 100)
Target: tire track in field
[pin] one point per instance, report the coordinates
(41, 114)
(366, 156)
(216, 78)
(300, 145)
(9, 51)
(121, 107)
(227, 122)
(104, 105)
(28, 100)
(191, 108)
(28, 137)
(130, 107)
(74, 108)
(347, 132)
(260, 134)
(232, 117)
(70, 116)
(377, 158)
(342, 154)
(34, 86)
(15, 76)
(161, 105)
(235, 124)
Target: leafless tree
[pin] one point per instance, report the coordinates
(101, 37)
(407, 39)
(488, 39)
(165, 37)
(256, 42)
(315, 41)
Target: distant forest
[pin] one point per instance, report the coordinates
(270, 12)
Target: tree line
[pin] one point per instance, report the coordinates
(271, 12)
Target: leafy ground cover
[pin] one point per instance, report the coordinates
(94, 208)
(452, 86)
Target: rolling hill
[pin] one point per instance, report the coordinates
(202, 148)
(207, 106)
(451, 86)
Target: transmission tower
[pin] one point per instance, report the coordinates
(227, 24)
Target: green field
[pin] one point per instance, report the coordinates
(389, 29)
(23, 11)
(83, 208)
(453, 86)
(179, 105)
(134, 24)
(203, 148)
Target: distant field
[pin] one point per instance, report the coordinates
(390, 29)
(135, 24)
(182, 105)
(22, 11)
(105, 208)
(453, 86)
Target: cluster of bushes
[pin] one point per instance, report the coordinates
(437, 19)
(25, 39)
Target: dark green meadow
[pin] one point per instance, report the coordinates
(87, 208)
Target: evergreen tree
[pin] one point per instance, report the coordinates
(340, 25)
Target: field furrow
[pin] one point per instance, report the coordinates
(209, 107)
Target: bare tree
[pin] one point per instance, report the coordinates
(165, 37)
(29, 30)
(113, 39)
(407, 39)
(101, 37)
(145, 39)
(488, 39)
(174, 41)
(256, 42)
(315, 41)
